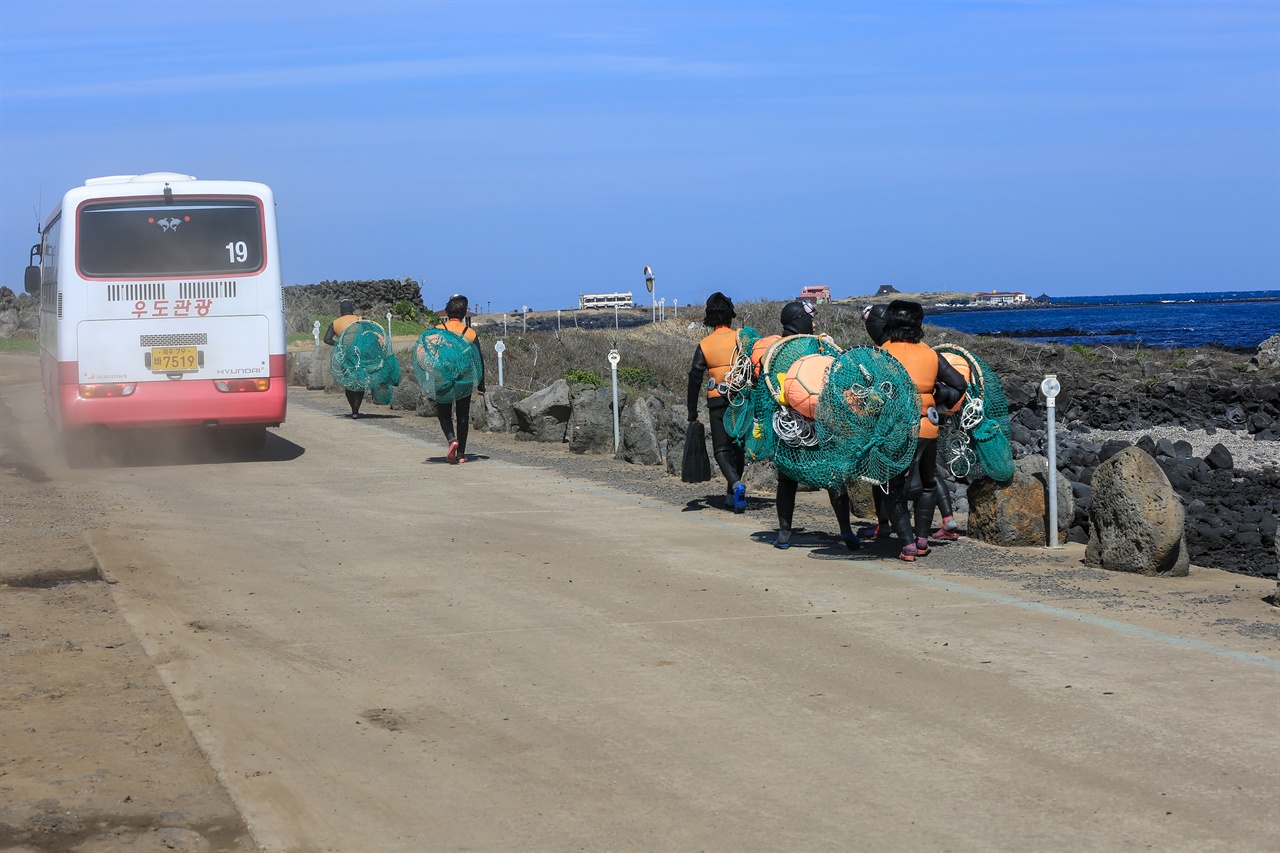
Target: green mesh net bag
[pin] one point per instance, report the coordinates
(362, 361)
(740, 382)
(974, 442)
(755, 411)
(447, 365)
(868, 416)
(782, 435)
(753, 401)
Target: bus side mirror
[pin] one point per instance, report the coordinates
(31, 281)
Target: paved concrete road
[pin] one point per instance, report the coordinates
(378, 653)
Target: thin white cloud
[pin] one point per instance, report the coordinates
(393, 71)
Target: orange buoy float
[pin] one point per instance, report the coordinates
(803, 382)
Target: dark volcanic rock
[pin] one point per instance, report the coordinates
(1137, 521)
(1219, 458)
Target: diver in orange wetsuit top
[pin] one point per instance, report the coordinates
(714, 356)
(904, 329)
(337, 327)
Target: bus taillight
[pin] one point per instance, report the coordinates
(234, 386)
(113, 389)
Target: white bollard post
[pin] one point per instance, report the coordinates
(504, 324)
(675, 309)
(1050, 388)
(315, 333)
(500, 348)
(557, 321)
(391, 404)
(614, 358)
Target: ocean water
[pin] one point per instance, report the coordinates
(1167, 320)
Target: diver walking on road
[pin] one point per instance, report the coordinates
(347, 316)
(714, 356)
(455, 311)
(904, 328)
(797, 319)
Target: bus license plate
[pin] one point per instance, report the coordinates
(173, 359)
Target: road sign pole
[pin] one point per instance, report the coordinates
(1050, 388)
(614, 358)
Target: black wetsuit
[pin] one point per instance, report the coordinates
(729, 454)
(354, 398)
(445, 411)
(918, 484)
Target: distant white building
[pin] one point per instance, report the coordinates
(604, 300)
(997, 298)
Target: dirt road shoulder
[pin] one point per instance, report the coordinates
(94, 755)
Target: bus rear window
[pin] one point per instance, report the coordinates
(132, 238)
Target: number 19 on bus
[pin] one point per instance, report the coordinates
(237, 253)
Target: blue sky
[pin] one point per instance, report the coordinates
(526, 152)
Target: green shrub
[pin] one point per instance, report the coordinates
(637, 377)
(405, 310)
(1081, 349)
(574, 376)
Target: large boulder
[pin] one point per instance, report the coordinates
(544, 415)
(591, 421)
(1012, 513)
(760, 477)
(1268, 355)
(427, 407)
(1038, 467)
(296, 367)
(500, 410)
(644, 429)
(1137, 523)
(408, 394)
(479, 414)
(318, 376)
(862, 498)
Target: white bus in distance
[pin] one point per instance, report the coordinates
(161, 306)
(604, 300)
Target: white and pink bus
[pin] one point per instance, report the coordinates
(161, 305)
